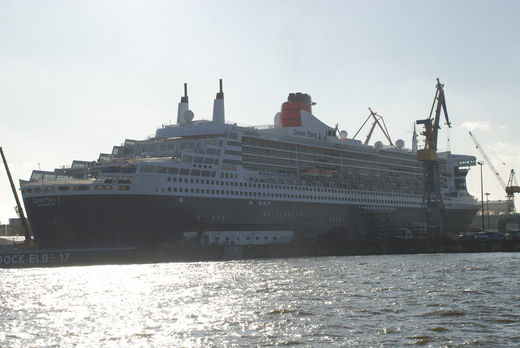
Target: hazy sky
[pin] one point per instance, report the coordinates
(77, 77)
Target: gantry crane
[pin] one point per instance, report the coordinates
(378, 121)
(433, 204)
(510, 188)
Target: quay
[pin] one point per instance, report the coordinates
(20, 258)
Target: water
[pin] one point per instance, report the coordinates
(429, 300)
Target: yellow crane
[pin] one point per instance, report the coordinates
(378, 121)
(433, 204)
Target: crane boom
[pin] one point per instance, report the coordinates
(431, 126)
(18, 205)
(510, 188)
(488, 161)
(378, 121)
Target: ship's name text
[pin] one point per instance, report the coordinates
(44, 201)
(34, 258)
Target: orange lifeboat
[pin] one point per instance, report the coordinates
(326, 173)
(310, 172)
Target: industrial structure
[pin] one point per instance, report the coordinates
(433, 204)
(510, 188)
(378, 121)
(27, 232)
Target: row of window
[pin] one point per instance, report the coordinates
(305, 149)
(179, 171)
(286, 195)
(283, 149)
(230, 161)
(247, 238)
(285, 214)
(38, 175)
(132, 147)
(234, 193)
(114, 179)
(75, 188)
(233, 153)
(369, 167)
(120, 169)
(286, 187)
(107, 187)
(200, 160)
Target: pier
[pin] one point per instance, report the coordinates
(20, 258)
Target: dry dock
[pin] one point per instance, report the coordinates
(17, 258)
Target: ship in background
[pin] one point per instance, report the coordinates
(218, 182)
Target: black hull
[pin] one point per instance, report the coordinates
(136, 220)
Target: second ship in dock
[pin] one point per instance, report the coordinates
(220, 183)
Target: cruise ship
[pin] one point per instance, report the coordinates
(297, 179)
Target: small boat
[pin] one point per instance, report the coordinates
(326, 173)
(310, 172)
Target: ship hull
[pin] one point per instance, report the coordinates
(148, 220)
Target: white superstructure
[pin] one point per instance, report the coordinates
(280, 173)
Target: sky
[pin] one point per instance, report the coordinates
(78, 77)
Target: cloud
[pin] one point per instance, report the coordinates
(504, 156)
(500, 146)
(478, 125)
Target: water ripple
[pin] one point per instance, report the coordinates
(397, 300)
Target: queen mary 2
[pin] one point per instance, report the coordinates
(298, 175)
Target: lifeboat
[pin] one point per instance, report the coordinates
(310, 172)
(326, 173)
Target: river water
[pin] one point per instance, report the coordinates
(392, 300)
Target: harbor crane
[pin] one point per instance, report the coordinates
(433, 204)
(27, 233)
(510, 188)
(378, 121)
